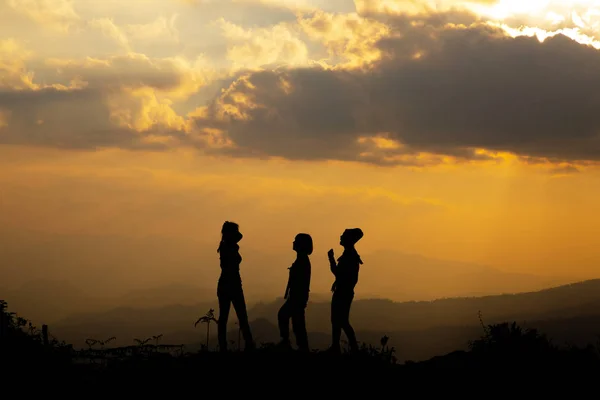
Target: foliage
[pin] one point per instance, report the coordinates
(509, 339)
(510, 345)
(19, 330)
(24, 347)
(207, 319)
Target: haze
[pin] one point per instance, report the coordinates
(461, 136)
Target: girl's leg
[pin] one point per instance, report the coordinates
(283, 319)
(224, 306)
(299, 326)
(336, 328)
(345, 316)
(239, 303)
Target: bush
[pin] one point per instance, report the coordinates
(508, 344)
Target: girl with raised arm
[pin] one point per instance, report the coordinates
(346, 277)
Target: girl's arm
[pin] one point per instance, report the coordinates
(305, 276)
(332, 263)
(287, 289)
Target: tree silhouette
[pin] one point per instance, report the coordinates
(207, 319)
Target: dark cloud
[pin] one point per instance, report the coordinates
(471, 88)
(566, 170)
(70, 119)
(108, 96)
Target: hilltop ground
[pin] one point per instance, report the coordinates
(503, 349)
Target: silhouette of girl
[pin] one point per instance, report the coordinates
(229, 288)
(296, 294)
(346, 277)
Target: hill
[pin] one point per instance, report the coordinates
(419, 329)
(49, 300)
(416, 277)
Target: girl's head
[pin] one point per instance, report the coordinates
(230, 233)
(350, 237)
(303, 244)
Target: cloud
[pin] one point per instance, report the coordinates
(416, 7)
(55, 14)
(440, 88)
(122, 101)
(397, 89)
(109, 29)
(4, 117)
(13, 73)
(161, 30)
(256, 47)
(348, 37)
(170, 75)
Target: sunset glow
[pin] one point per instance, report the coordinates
(459, 130)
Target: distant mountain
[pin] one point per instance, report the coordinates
(175, 323)
(405, 277)
(166, 295)
(384, 314)
(427, 326)
(46, 300)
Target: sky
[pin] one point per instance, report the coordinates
(460, 130)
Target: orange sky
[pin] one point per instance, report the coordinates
(462, 132)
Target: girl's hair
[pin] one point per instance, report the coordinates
(353, 234)
(228, 228)
(304, 243)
